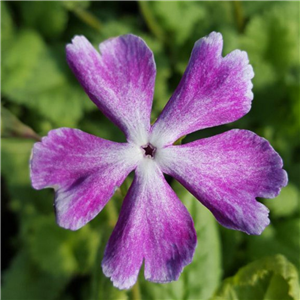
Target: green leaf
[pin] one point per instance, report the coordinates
(199, 279)
(24, 200)
(78, 8)
(15, 158)
(58, 251)
(24, 280)
(233, 252)
(253, 8)
(179, 141)
(293, 120)
(270, 278)
(33, 71)
(7, 27)
(75, 4)
(220, 17)
(270, 42)
(64, 105)
(11, 126)
(50, 18)
(286, 203)
(178, 18)
(101, 286)
(281, 237)
(162, 93)
(39, 80)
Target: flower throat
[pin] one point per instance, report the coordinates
(149, 150)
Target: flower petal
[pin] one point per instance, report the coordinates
(120, 80)
(226, 172)
(84, 171)
(214, 90)
(153, 226)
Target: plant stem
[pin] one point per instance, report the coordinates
(112, 214)
(87, 17)
(124, 188)
(150, 20)
(98, 282)
(239, 15)
(135, 292)
(96, 275)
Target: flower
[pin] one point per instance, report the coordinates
(225, 172)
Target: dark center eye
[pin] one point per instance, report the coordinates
(149, 150)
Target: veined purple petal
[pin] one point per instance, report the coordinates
(214, 90)
(153, 226)
(83, 169)
(120, 80)
(226, 172)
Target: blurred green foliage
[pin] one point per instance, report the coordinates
(267, 278)
(43, 261)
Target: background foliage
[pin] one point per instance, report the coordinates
(41, 260)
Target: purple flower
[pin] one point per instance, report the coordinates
(225, 172)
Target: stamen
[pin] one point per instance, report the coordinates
(149, 150)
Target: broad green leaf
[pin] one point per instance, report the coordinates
(221, 16)
(61, 252)
(270, 40)
(7, 27)
(25, 281)
(231, 40)
(202, 276)
(286, 203)
(24, 200)
(162, 93)
(270, 278)
(32, 69)
(26, 74)
(49, 247)
(208, 252)
(49, 18)
(101, 286)
(15, 157)
(178, 18)
(38, 79)
(281, 237)
(115, 28)
(293, 85)
(64, 105)
(233, 252)
(253, 8)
